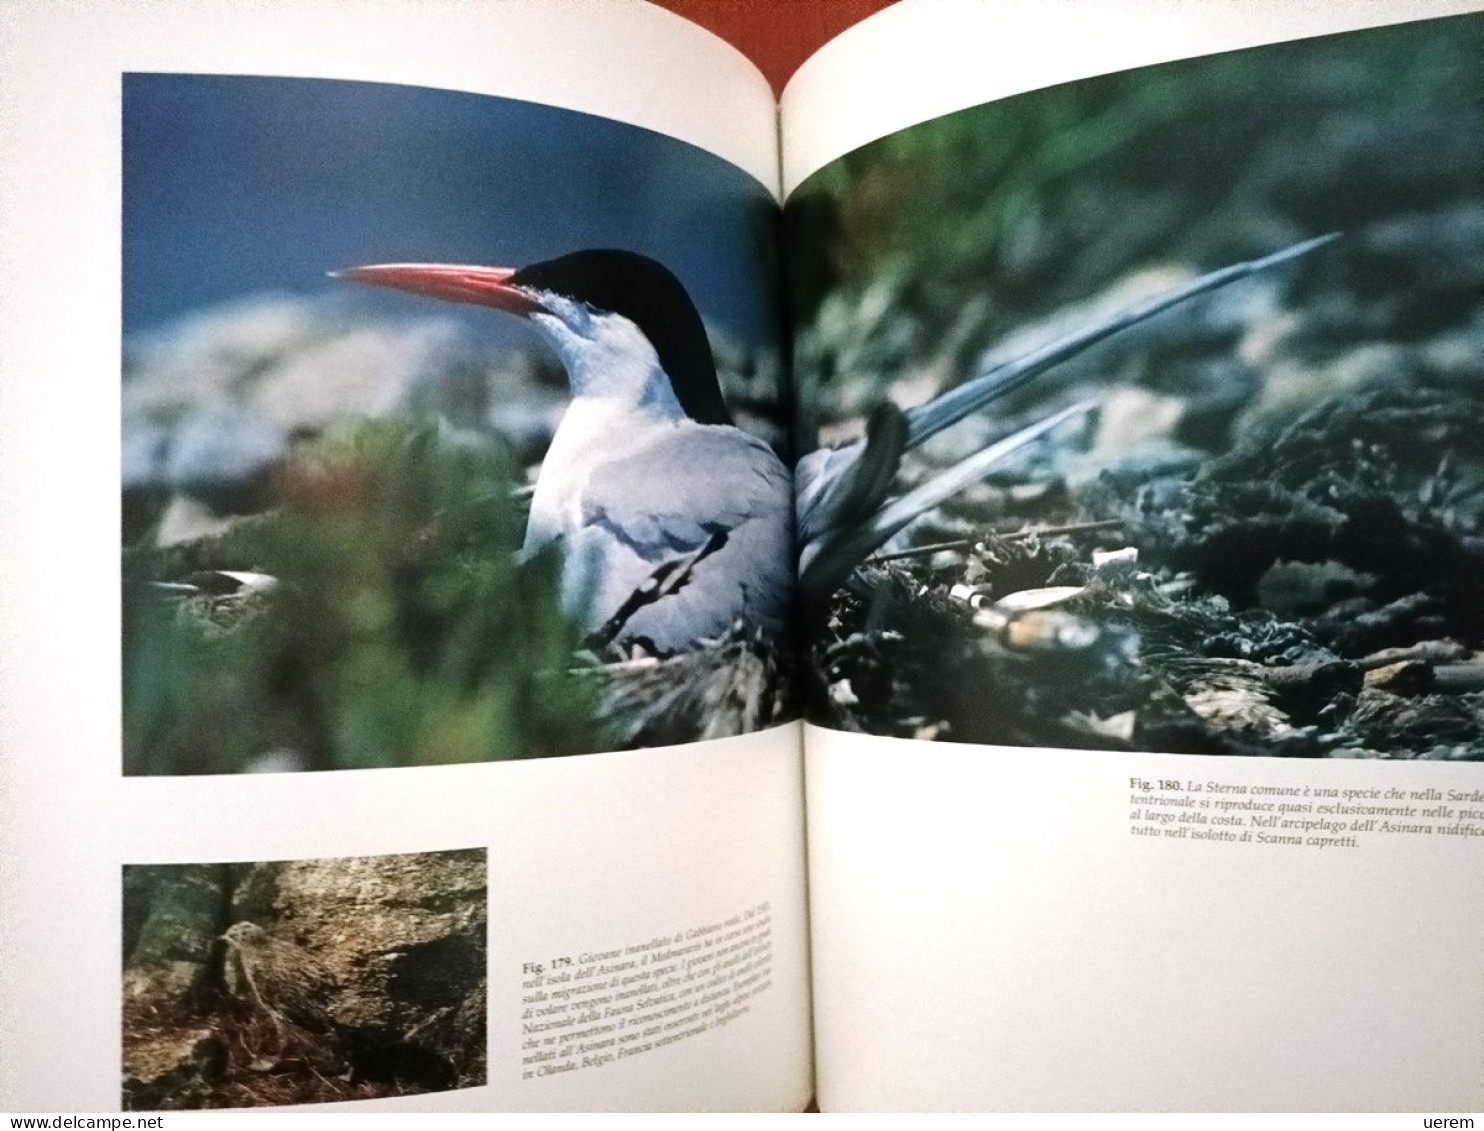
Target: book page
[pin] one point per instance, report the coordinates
(1138, 347)
(340, 502)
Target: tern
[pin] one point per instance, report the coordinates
(673, 523)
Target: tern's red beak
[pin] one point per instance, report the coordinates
(486, 286)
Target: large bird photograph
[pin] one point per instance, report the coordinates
(266, 983)
(1146, 411)
(453, 430)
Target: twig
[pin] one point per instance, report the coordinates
(666, 579)
(965, 543)
(921, 551)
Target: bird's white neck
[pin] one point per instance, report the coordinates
(607, 358)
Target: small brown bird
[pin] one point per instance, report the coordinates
(284, 979)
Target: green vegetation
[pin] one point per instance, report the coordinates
(402, 631)
(972, 223)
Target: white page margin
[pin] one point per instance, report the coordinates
(68, 821)
(989, 935)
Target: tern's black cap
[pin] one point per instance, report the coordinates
(650, 296)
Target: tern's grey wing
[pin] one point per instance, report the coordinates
(668, 498)
(672, 493)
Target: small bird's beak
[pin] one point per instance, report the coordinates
(484, 286)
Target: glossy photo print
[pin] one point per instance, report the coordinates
(451, 431)
(303, 981)
(1159, 398)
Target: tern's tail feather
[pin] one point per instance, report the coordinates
(836, 487)
(833, 558)
(928, 419)
(839, 511)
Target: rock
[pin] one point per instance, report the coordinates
(163, 984)
(1118, 728)
(173, 1058)
(173, 915)
(1122, 557)
(1430, 651)
(1409, 726)
(277, 761)
(185, 521)
(220, 449)
(403, 937)
(842, 694)
(213, 399)
(458, 1037)
(172, 1069)
(1408, 677)
(1129, 420)
(1460, 678)
(1430, 262)
(1296, 588)
(1308, 686)
(1240, 704)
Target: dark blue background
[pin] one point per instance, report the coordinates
(235, 185)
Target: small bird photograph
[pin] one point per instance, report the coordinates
(453, 430)
(1143, 412)
(303, 981)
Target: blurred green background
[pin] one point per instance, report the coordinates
(918, 250)
(402, 630)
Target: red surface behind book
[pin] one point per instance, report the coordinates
(775, 35)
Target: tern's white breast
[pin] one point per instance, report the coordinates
(593, 433)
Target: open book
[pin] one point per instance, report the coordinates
(510, 425)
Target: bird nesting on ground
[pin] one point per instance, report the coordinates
(283, 979)
(648, 481)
